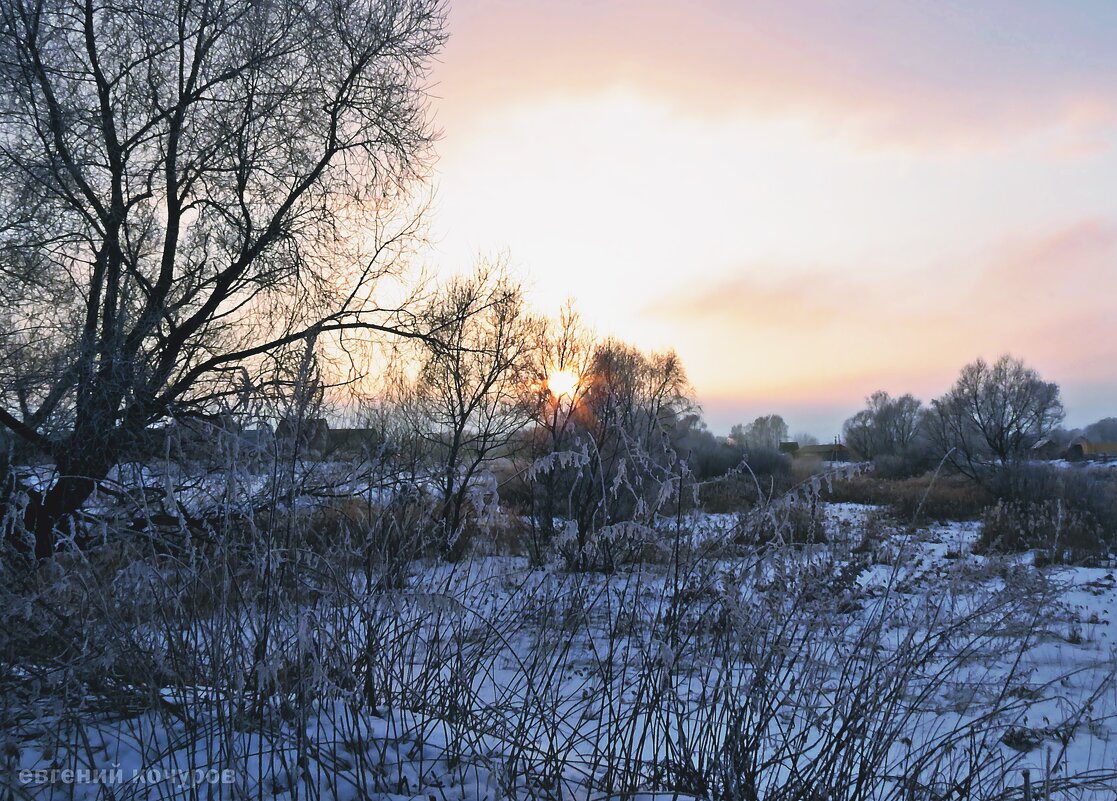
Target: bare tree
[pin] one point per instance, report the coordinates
(887, 426)
(805, 438)
(564, 351)
(993, 414)
(467, 399)
(185, 186)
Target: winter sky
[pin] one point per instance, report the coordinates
(808, 200)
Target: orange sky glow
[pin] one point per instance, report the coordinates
(809, 201)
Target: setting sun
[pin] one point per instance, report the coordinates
(562, 382)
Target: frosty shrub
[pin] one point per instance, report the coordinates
(734, 492)
(761, 474)
(1059, 535)
(793, 519)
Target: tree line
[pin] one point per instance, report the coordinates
(990, 420)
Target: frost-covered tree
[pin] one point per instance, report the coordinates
(631, 407)
(707, 456)
(565, 348)
(805, 438)
(186, 187)
(614, 457)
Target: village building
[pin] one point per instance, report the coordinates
(827, 452)
(1081, 448)
(1047, 449)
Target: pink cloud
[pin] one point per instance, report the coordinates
(1070, 259)
(911, 73)
(835, 335)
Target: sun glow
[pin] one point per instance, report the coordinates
(562, 383)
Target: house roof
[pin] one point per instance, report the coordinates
(822, 449)
(1088, 447)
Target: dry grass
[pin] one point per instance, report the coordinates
(327, 682)
(314, 654)
(934, 498)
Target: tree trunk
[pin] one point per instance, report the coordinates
(50, 512)
(45, 515)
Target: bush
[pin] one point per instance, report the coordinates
(768, 473)
(905, 465)
(803, 468)
(768, 462)
(1064, 536)
(606, 549)
(709, 458)
(732, 493)
(1090, 492)
(942, 498)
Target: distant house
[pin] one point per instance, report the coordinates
(1081, 448)
(790, 448)
(315, 438)
(361, 442)
(1047, 449)
(830, 452)
(311, 435)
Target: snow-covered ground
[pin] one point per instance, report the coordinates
(883, 664)
(1099, 465)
